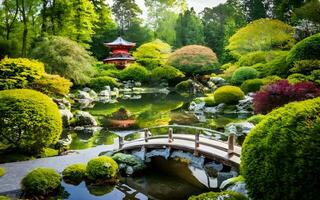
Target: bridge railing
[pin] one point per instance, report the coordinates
(147, 135)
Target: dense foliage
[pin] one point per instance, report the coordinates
(193, 59)
(227, 195)
(166, 73)
(281, 93)
(252, 85)
(262, 34)
(52, 85)
(29, 121)
(64, 57)
(102, 167)
(135, 72)
(41, 181)
(74, 173)
(19, 72)
(100, 82)
(228, 94)
(242, 74)
(284, 143)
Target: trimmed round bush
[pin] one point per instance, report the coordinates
(242, 74)
(100, 82)
(135, 72)
(19, 72)
(102, 167)
(280, 156)
(41, 181)
(29, 121)
(52, 85)
(228, 94)
(74, 173)
(193, 59)
(226, 195)
(307, 49)
(166, 73)
(2, 171)
(297, 78)
(252, 85)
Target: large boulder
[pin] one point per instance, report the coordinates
(236, 184)
(66, 116)
(85, 119)
(129, 164)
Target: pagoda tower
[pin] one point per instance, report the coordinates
(120, 55)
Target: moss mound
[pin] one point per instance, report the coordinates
(242, 74)
(225, 195)
(228, 94)
(280, 156)
(101, 168)
(74, 173)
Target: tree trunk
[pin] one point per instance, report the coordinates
(25, 29)
(44, 17)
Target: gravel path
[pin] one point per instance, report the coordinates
(17, 170)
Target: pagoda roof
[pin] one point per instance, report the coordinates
(120, 42)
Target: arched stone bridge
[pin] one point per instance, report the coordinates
(200, 144)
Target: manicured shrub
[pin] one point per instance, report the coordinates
(166, 73)
(193, 59)
(280, 156)
(252, 58)
(307, 49)
(297, 78)
(19, 72)
(242, 74)
(256, 119)
(251, 85)
(102, 167)
(100, 82)
(277, 66)
(209, 101)
(135, 72)
(228, 95)
(270, 79)
(29, 121)
(184, 86)
(280, 93)
(227, 73)
(64, 57)
(226, 195)
(41, 181)
(2, 171)
(74, 173)
(305, 66)
(52, 85)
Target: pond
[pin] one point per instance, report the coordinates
(146, 110)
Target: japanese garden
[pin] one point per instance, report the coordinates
(159, 99)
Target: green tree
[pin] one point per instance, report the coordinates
(166, 27)
(10, 14)
(138, 33)
(254, 9)
(189, 29)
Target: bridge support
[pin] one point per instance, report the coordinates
(121, 142)
(170, 135)
(231, 143)
(197, 144)
(146, 134)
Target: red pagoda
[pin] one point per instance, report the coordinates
(120, 55)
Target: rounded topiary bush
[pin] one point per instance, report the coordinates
(135, 72)
(29, 121)
(280, 156)
(252, 85)
(2, 171)
(193, 59)
(226, 195)
(74, 173)
(101, 168)
(184, 86)
(41, 181)
(166, 73)
(307, 49)
(100, 82)
(228, 95)
(242, 74)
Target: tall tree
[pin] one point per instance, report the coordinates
(125, 11)
(166, 27)
(189, 29)
(255, 9)
(283, 9)
(10, 13)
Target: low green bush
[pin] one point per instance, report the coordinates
(2, 171)
(74, 173)
(285, 142)
(228, 94)
(19, 72)
(278, 66)
(255, 119)
(184, 86)
(135, 72)
(252, 58)
(166, 73)
(270, 80)
(29, 121)
(100, 82)
(251, 85)
(315, 76)
(209, 101)
(102, 167)
(242, 74)
(305, 66)
(297, 78)
(226, 195)
(41, 181)
(5, 198)
(306, 49)
(52, 85)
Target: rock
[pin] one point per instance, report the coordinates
(63, 142)
(245, 105)
(216, 109)
(129, 170)
(222, 176)
(240, 129)
(236, 184)
(165, 153)
(83, 95)
(86, 89)
(87, 130)
(137, 84)
(66, 116)
(93, 94)
(195, 161)
(212, 168)
(197, 106)
(62, 103)
(132, 163)
(218, 81)
(105, 93)
(85, 119)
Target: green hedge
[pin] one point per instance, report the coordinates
(225, 195)
(29, 121)
(100, 82)
(102, 167)
(280, 156)
(41, 181)
(135, 72)
(307, 49)
(74, 173)
(242, 74)
(19, 72)
(228, 94)
(252, 85)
